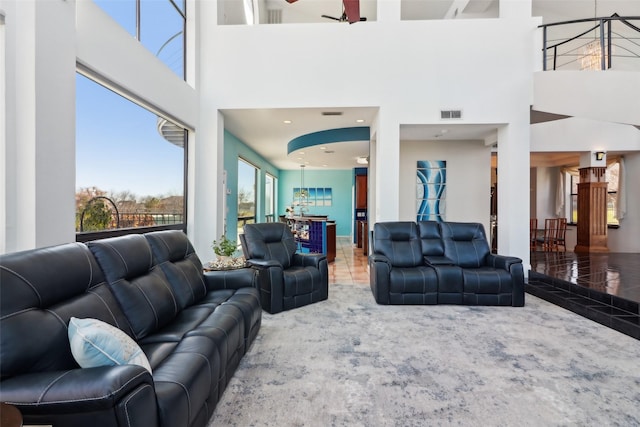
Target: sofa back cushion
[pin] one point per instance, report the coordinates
(139, 285)
(269, 241)
(431, 238)
(40, 290)
(399, 241)
(177, 258)
(465, 243)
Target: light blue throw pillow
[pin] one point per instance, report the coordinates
(96, 343)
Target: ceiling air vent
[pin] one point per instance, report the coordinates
(450, 114)
(332, 113)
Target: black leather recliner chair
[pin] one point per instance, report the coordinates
(286, 279)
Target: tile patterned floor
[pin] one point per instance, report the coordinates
(602, 287)
(350, 266)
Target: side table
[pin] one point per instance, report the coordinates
(10, 416)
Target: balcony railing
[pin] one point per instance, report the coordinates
(592, 44)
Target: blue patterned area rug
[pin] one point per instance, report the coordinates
(350, 362)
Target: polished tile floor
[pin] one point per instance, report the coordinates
(615, 274)
(350, 266)
(602, 287)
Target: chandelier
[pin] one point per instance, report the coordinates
(591, 58)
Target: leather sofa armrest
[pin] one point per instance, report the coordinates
(263, 264)
(502, 261)
(514, 266)
(308, 260)
(379, 277)
(270, 283)
(230, 279)
(374, 258)
(57, 395)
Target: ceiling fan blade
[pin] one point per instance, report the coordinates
(352, 10)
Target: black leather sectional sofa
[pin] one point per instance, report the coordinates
(432, 262)
(193, 327)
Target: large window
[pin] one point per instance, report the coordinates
(270, 186)
(158, 24)
(247, 177)
(612, 177)
(130, 164)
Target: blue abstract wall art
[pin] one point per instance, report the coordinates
(431, 185)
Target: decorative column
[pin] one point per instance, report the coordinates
(592, 210)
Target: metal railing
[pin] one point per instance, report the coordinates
(592, 43)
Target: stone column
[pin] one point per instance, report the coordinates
(592, 210)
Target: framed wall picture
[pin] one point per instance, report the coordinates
(431, 186)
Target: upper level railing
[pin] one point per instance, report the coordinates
(592, 44)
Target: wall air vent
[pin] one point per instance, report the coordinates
(332, 113)
(450, 114)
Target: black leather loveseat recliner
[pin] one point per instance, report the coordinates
(432, 262)
(192, 327)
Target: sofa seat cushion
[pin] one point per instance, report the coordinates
(414, 280)
(301, 280)
(223, 325)
(187, 320)
(415, 285)
(96, 343)
(487, 286)
(247, 300)
(186, 381)
(486, 280)
(225, 328)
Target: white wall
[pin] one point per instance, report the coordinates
(40, 124)
(409, 69)
(610, 96)
(627, 237)
(468, 178)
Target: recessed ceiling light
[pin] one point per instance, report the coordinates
(287, 122)
(360, 121)
(323, 148)
(299, 158)
(324, 166)
(301, 153)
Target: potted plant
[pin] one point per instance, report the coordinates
(224, 248)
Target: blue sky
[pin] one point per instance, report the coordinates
(118, 146)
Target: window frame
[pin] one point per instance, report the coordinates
(85, 236)
(573, 199)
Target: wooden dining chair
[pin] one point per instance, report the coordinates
(548, 241)
(561, 234)
(533, 229)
